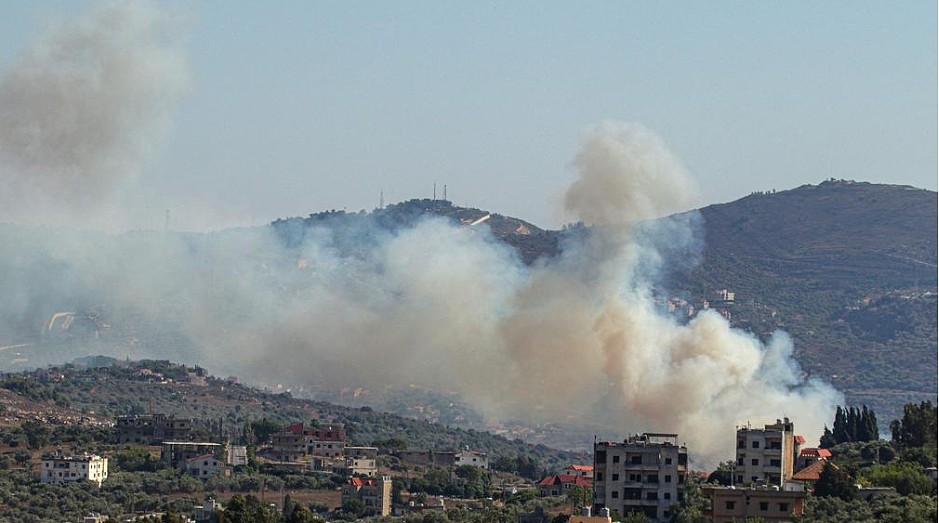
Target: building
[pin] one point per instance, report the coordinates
(62, 469)
(766, 456)
(584, 471)
(361, 461)
(236, 455)
(445, 458)
(808, 456)
(471, 457)
(770, 504)
(375, 494)
(560, 484)
(298, 442)
(153, 428)
(205, 512)
(175, 453)
(205, 466)
(645, 473)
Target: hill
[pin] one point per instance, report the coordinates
(847, 268)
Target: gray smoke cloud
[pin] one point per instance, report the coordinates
(577, 338)
(82, 108)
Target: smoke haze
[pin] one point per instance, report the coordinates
(82, 109)
(448, 307)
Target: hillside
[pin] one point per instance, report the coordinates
(847, 268)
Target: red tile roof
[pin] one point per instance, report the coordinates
(585, 468)
(815, 453)
(799, 439)
(561, 479)
(813, 471)
(359, 482)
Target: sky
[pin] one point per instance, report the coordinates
(295, 107)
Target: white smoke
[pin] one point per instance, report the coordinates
(577, 337)
(81, 110)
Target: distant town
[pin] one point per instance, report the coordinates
(198, 470)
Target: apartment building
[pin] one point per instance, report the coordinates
(62, 469)
(175, 453)
(153, 428)
(645, 473)
(766, 456)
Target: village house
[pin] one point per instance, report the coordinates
(62, 469)
(298, 442)
(361, 461)
(175, 453)
(560, 484)
(584, 471)
(645, 473)
(375, 494)
(205, 466)
(445, 458)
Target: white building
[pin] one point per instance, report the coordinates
(206, 466)
(471, 457)
(236, 455)
(60, 469)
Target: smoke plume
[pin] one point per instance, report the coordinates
(81, 110)
(579, 337)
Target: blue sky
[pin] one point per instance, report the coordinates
(303, 106)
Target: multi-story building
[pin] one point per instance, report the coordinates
(766, 456)
(375, 494)
(361, 461)
(153, 428)
(471, 457)
(61, 469)
(445, 458)
(645, 473)
(770, 504)
(297, 442)
(560, 484)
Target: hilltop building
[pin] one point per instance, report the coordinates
(584, 471)
(175, 453)
(645, 473)
(445, 458)
(298, 442)
(560, 484)
(375, 494)
(62, 469)
(766, 456)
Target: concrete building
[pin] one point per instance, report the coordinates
(771, 504)
(375, 494)
(62, 469)
(445, 458)
(645, 473)
(236, 455)
(560, 484)
(766, 456)
(473, 458)
(358, 461)
(153, 428)
(175, 453)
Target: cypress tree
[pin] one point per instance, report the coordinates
(840, 429)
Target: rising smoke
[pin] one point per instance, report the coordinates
(577, 337)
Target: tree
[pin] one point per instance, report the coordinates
(579, 496)
(834, 482)
(635, 517)
(917, 428)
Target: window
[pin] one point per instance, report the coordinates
(615, 459)
(764, 505)
(755, 461)
(784, 507)
(614, 494)
(652, 496)
(599, 476)
(740, 461)
(667, 495)
(668, 461)
(756, 444)
(774, 462)
(668, 478)
(740, 478)
(636, 460)
(615, 477)
(729, 505)
(652, 478)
